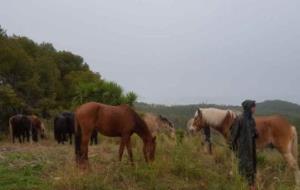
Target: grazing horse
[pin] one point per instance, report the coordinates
(37, 128)
(272, 130)
(191, 129)
(64, 126)
(113, 121)
(158, 124)
(189, 126)
(19, 126)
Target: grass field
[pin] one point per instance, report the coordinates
(181, 166)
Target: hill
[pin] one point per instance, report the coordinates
(180, 114)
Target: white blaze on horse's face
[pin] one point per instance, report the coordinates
(198, 122)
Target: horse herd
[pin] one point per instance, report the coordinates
(23, 127)
(122, 121)
(30, 127)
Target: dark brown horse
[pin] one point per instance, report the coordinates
(113, 121)
(19, 127)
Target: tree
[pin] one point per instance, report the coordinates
(38, 79)
(10, 104)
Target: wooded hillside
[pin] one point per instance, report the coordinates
(38, 79)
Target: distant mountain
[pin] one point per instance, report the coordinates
(180, 114)
(278, 106)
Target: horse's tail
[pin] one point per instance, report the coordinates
(77, 140)
(295, 143)
(10, 129)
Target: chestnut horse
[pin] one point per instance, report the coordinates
(272, 130)
(37, 128)
(113, 121)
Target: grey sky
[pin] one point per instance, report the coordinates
(175, 51)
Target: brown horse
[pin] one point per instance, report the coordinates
(113, 121)
(272, 130)
(37, 128)
(159, 124)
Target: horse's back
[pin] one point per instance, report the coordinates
(274, 130)
(108, 120)
(274, 122)
(151, 121)
(93, 110)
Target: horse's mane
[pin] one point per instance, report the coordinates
(166, 120)
(214, 116)
(141, 127)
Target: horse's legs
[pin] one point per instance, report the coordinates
(293, 165)
(70, 136)
(207, 139)
(27, 135)
(286, 152)
(59, 138)
(124, 141)
(64, 138)
(129, 150)
(145, 153)
(91, 140)
(20, 138)
(13, 138)
(96, 138)
(84, 150)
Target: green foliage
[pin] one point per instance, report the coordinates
(38, 79)
(2, 32)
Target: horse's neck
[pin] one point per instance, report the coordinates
(145, 135)
(142, 130)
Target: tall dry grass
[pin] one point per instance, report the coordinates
(179, 165)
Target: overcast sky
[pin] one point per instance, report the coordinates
(174, 51)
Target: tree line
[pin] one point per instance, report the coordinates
(38, 79)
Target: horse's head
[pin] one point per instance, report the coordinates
(149, 149)
(43, 131)
(38, 127)
(167, 125)
(198, 122)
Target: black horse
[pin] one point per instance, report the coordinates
(20, 126)
(64, 127)
(94, 137)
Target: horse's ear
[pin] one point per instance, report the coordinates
(199, 113)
